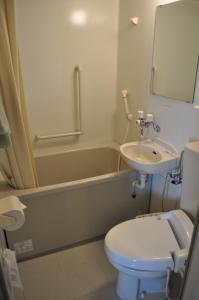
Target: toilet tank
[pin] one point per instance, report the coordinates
(190, 185)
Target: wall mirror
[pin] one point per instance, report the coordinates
(176, 50)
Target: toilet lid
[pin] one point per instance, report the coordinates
(142, 244)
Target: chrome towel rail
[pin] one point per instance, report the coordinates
(77, 103)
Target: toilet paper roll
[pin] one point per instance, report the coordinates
(13, 208)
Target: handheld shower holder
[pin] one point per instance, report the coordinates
(129, 115)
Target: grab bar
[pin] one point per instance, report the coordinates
(77, 102)
(77, 97)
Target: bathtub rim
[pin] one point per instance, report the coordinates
(42, 152)
(70, 185)
(6, 190)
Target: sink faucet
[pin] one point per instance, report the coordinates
(145, 122)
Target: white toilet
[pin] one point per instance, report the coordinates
(144, 250)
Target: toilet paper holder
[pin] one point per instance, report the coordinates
(6, 221)
(11, 213)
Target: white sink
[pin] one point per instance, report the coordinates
(150, 157)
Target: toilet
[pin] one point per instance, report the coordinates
(145, 250)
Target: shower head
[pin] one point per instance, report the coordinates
(126, 105)
(124, 94)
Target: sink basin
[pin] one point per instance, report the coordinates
(150, 156)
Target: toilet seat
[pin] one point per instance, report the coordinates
(143, 244)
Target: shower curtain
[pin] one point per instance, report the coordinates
(17, 162)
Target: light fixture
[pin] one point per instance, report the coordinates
(135, 20)
(78, 17)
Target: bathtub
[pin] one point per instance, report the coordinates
(81, 195)
(77, 165)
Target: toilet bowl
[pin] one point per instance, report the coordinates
(143, 250)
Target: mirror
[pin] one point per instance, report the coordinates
(176, 50)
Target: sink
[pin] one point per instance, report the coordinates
(150, 156)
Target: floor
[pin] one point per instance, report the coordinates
(80, 273)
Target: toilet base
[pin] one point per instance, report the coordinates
(129, 287)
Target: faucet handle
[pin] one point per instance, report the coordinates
(138, 122)
(149, 117)
(140, 114)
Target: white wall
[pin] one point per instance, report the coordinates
(50, 46)
(179, 121)
(53, 37)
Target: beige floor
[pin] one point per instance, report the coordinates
(81, 273)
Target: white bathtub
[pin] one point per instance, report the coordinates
(81, 196)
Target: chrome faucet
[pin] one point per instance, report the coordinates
(145, 122)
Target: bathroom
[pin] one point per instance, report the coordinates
(87, 69)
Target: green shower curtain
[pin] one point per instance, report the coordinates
(16, 162)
